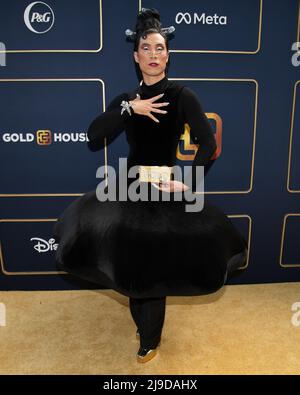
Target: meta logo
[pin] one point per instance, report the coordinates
(39, 17)
(193, 18)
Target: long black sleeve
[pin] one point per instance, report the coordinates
(200, 130)
(109, 124)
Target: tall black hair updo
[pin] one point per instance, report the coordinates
(148, 21)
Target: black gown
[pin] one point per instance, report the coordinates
(150, 248)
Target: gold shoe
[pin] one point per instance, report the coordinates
(137, 335)
(146, 354)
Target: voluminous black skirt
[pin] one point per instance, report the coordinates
(148, 248)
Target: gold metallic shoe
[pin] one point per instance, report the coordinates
(146, 354)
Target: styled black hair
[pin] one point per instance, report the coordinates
(148, 21)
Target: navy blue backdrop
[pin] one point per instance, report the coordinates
(63, 61)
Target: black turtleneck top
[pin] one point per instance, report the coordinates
(150, 142)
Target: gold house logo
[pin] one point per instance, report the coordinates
(43, 137)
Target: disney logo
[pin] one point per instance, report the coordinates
(44, 245)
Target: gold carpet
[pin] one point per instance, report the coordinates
(242, 329)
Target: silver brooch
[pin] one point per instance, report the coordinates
(125, 107)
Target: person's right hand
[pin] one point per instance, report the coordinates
(144, 107)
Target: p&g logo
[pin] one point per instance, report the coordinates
(39, 17)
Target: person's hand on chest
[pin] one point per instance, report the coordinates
(146, 106)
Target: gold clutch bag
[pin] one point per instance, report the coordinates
(155, 173)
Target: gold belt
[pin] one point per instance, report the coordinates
(155, 173)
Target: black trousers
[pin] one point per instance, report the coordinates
(148, 315)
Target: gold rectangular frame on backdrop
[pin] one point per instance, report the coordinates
(2, 264)
(254, 127)
(291, 139)
(286, 265)
(44, 273)
(55, 80)
(220, 51)
(65, 50)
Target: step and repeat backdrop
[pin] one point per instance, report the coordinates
(63, 61)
